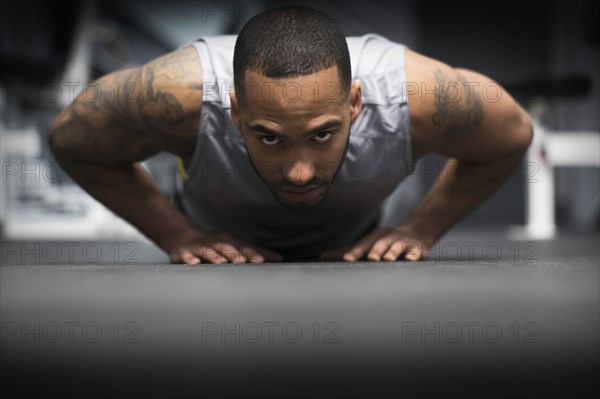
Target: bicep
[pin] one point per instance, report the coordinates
(463, 114)
(129, 115)
(100, 125)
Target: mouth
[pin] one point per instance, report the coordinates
(304, 194)
(304, 190)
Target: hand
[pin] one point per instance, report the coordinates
(218, 247)
(387, 244)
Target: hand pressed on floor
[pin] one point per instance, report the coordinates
(219, 247)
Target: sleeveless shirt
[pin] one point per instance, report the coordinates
(220, 190)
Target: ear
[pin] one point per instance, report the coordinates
(355, 100)
(235, 110)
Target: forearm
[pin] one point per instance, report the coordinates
(128, 191)
(459, 189)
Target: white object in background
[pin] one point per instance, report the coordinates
(548, 151)
(539, 190)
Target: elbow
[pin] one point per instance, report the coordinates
(523, 132)
(58, 141)
(54, 142)
(528, 127)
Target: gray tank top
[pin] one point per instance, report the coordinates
(220, 190)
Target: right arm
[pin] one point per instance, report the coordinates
(102, 136)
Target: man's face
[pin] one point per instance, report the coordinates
(296, 132)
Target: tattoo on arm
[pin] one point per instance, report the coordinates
(139, 112)
(458, 107)
(158, 109)
(161, 111)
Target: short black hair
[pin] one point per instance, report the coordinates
(291, 41)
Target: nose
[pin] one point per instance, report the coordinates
(299, 173)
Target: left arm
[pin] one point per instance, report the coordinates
(468, 118)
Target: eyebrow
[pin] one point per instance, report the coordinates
(330, 124)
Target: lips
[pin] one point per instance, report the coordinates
(304, 191)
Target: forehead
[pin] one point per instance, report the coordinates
(317, 92)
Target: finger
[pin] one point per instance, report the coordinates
(227, 246)
(230, 252)
(219, 249)
(209, 253)
(251, 253)
(361, 248)
(380, 247)
(394, 251)
(416, 251)
(189, 258)
(268, 254)
(255, 253)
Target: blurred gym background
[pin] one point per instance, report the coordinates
(546, 53)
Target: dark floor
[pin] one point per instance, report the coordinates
(484, 317)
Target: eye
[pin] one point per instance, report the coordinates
(269, 140)
(322, 137)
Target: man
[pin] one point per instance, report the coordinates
(295, 163)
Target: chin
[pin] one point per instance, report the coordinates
(300, 206)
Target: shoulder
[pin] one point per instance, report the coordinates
(134, 113)
(373, 54)
(170, 99)
(443, 104)
(461, 113)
